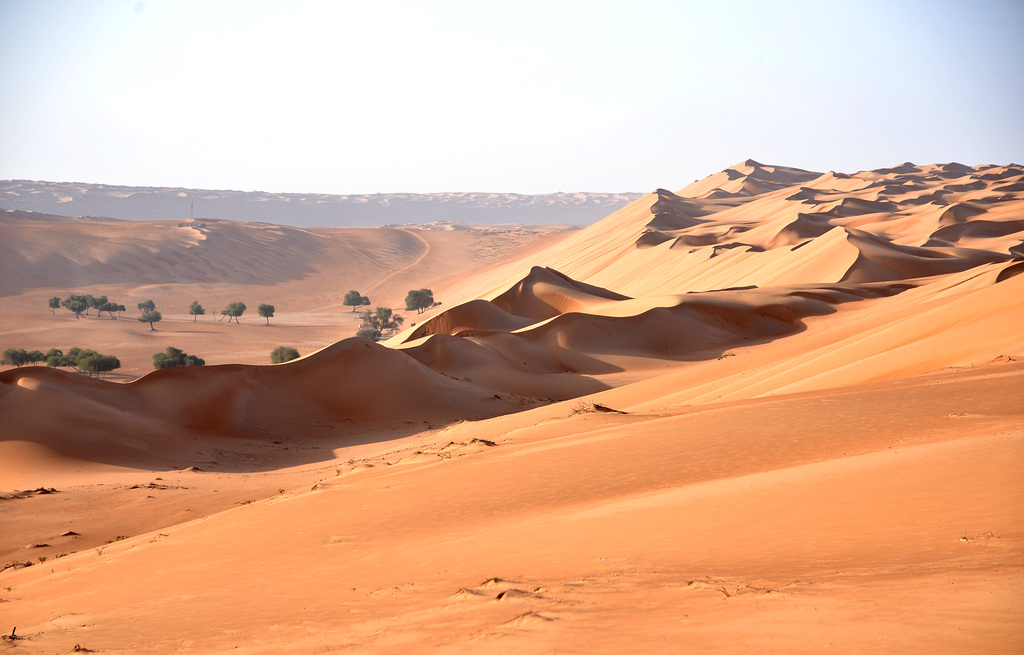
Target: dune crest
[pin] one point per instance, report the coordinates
(882, 225)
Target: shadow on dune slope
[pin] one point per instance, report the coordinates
(349, 389)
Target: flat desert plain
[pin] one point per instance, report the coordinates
(775, 410)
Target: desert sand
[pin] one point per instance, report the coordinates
(775, 410)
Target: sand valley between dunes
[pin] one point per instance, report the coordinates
(776, 410)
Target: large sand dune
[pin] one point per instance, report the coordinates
(773, 411)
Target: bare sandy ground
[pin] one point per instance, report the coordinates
(775, 411)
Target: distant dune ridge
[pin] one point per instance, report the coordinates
(773, 410)
(305, 209)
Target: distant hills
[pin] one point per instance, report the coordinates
(307, 209)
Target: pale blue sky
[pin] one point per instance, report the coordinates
(527, 97)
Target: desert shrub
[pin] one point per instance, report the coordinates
(283, 354)
(172, 357)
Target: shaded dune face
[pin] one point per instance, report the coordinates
(143, 423)
(565, 327)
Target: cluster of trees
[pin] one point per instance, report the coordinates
(233, 311)
(20, 357)
(375, 323)
(383, 319)
(81, 359)
(172, 357)
(81, 304)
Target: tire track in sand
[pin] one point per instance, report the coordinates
(426, 251)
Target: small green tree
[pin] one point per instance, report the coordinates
(353, 299)
(379, 321)
(55, 357)
(266, 311)
(196, 310)
(71, 358)
(36, 356)
(146, 306)
(15, 357)
(172, 357)
(151, 316)
(419, 300)
(54, 305)
(283, 354)
(234, 310)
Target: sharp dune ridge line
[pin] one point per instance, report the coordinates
(776, 410)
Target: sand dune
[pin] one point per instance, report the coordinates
(776, 410)
(770, 236)
(167, 411)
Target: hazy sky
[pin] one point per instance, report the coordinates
(527, 97)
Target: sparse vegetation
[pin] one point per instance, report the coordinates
(353, 299)
(581, 407)
(266, 311)
(80, 304)
(93, 362)
(55, 357)
(419, 300)
(77, 304)
(15, 357)
(584, 407)
(172, 357)
(376, 323)
(233, 311)
(95, 302)
(149, 313)
(110, 308)
(283, 354)
(83, 360)
(196, 310)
